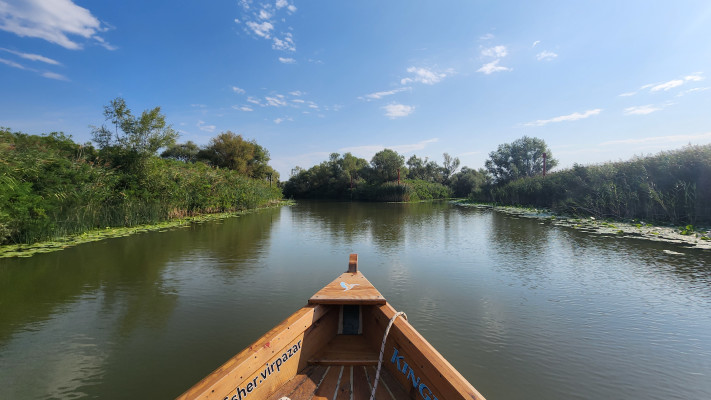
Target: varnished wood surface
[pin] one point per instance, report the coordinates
(425, 362)
(319, 382)
(346, 350)
(246, 365)
(349, 288)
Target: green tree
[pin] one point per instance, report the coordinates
(468, 182)
(132, 138)
(449, 167)
(185, 152)
(523, 157)
(384, 166)
(229, 150)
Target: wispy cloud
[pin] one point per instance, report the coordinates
(496, 51)
(642, 110)
(662, 139)
(546, 55)
(54, 21)
(46, 74)
(536, 43)
(488, 36)
(492, 67)
(668, 85)
(238, 90)
(398, 110)
(12, 64)
(54, 75)
(243, 108)
(275, 101)
(285, 60)
(570, 117)
(262, 29)
(263, 18)
(32, 57)
(380, 95)
(425, 75)
(204, 127)
(285, 44)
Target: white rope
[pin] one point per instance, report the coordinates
(382, 351)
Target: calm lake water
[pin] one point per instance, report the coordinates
(523, 309)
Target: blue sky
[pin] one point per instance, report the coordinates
(597, 80)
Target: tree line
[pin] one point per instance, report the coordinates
(346, 176)
(51, 186)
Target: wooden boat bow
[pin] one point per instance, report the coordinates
(329, 350)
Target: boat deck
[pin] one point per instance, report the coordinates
(327, 382)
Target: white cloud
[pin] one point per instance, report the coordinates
(32, 57)
(667, 85)
(492, 67)
(53, 75)
(488, 36)
(641, 110)
(627, 94)
(254, 101)
(424, 75)
(280, 120)
(496, 51)
(54, 21)
(243, 108)
(296, 93)
(205, 128)
(398, 110)
(536, 43)
(286, 44)
(263, 30)
(284, 60)
(264, 14)
(277, 101)
(546, 55)
(570, 117)
(695, 78)
(237, 90)
(298, 101)
(283, 3)
(12, 63)
(380, 95)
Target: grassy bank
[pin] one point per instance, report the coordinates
(59, 243)
(52, 187)
(671, 187)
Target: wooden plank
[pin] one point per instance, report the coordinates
(307, 390)
(391, 388)
(421, 363)
(345, 388)
(242, 369)
(383, 390)
(329, 385)
(353, 263)
(361, 386)
(346, 350)
(302, 386)
(349, 288)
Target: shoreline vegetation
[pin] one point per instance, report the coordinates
(54, 191)
(686, 236)
(52, 187)
(95, 235)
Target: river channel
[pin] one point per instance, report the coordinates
(522, 308)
